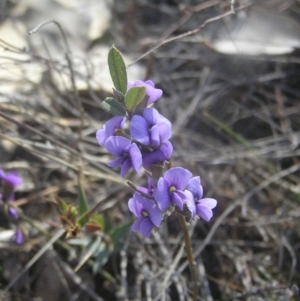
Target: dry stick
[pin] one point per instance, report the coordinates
(238, 202)
(70, 65)
(190, 256)
(190, 32)
(54, 141)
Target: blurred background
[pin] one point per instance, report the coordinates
(231, 88)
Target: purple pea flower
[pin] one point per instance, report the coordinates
(150, 129)
(202, 207)
(109, 129)
(152, 93)
(149, 215)
(10, 182)
(158, 156)
(127, 153)
(19, 237)
(13, 213)
(12, 179)
(170, 188)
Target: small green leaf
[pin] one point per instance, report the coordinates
(117, 69)
(134, 96)
(117, 233)
(113, 107)
(99, 220)
(90, 250)
(83, 205)
(101, 259)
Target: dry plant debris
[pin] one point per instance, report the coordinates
(235, 122)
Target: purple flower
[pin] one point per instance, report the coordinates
(170, 188)
(12, 179)
(158, 156)
(109, 129)
(13, 213)
(19, 237)
(202, 207)
(150, 129)
(149, 215)
(152, 93)
(127, 153)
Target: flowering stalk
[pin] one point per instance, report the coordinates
(190, 256)
(147, 145)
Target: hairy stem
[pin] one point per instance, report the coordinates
(190, 256)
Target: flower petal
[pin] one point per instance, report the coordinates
(115, 163)
(177, 200)
(178, 177)
(195, 187)
(125, 167)
(204, 212)
(117, 145)
(135, 206)
(155, 136)
(137, 225)
(160, 155)
(139, 130)
(100, 136)
(146, 227)
(135, 157)
(208, 202)
(165, 131)
(155, 215)
(151, 115)
(190, 203)
(162, 195)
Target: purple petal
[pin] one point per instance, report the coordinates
(19, 237)
(117, 145)
(125, 167)
(13, 213)
(178, 177)
(190, 203)
(149, 82)
(135, 157)
(129, 86)
(160, 155)
(151, 115)
(115, 163)
(139, 130)
(208, 202)
(177, 200)
(165, 131)
(155, 136)
(194, 186)
(12, 179)
(146, 227)
(135, 206)
(162, 195)
(204, 212)
(155, 215)
(100, 136)
(137, 225)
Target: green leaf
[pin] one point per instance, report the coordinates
(99, 220)
(90, 250)
(83, 205)
(101, 259)
(113, 107)
(134, 96)
(117, 234)
(117, 70)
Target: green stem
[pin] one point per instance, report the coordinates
(190, 256)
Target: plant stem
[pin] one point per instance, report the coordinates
(190, 256)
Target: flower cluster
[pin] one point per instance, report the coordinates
(147, 144)
(9, 182)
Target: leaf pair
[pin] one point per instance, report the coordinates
(132, 97)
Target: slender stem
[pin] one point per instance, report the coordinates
(190, 256)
